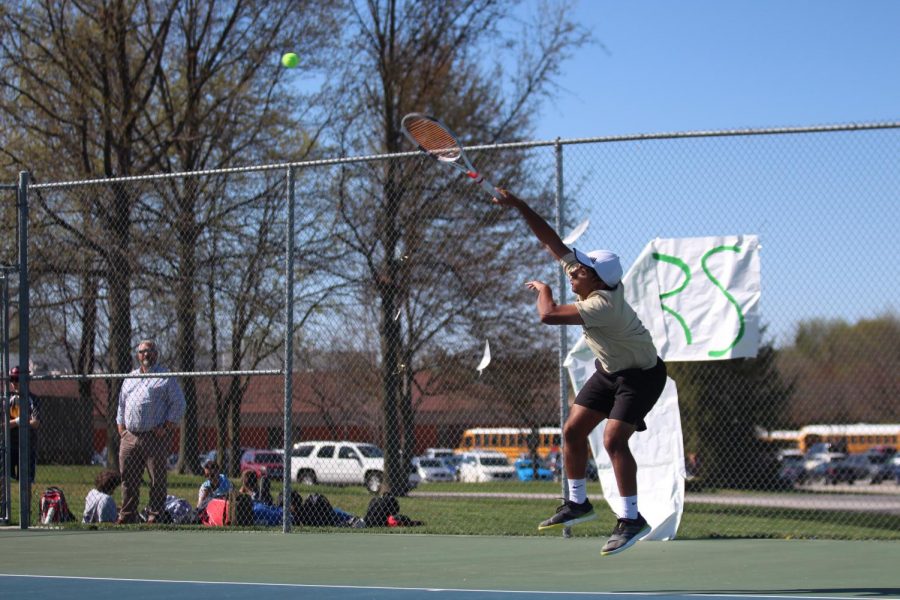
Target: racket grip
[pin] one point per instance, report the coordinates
(489, 187)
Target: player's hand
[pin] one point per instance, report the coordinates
(538, 286)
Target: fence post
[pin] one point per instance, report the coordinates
(288, 352)
(559, 201)
(6, 508)
(24, 404)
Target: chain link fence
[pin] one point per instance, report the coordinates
(376, 284)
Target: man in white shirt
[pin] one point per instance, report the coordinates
(150, 409)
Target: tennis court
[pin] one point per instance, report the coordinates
(145, 564)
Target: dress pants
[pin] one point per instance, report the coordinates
(138, 451)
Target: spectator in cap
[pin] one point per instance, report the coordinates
(629, 379)
(16, 424)
(217, 485)
(150, 409)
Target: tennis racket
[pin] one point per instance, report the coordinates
(437, 141)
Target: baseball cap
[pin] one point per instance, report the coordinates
(605, 263)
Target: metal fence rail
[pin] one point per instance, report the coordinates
(349, 301)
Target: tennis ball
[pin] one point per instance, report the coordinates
(290, 60)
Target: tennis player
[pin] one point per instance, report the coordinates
(629, 379)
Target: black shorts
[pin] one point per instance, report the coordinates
(626, 395)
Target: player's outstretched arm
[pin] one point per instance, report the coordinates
(545, 234)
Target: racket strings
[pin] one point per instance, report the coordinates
(434, 139)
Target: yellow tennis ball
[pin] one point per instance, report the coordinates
(290, 60)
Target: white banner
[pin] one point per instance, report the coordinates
(699, 297)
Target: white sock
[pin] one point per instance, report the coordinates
(629, 507)
(577, 491)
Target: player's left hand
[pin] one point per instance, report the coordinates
(538, 286)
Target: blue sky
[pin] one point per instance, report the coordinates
(684, 65)
(696, 65)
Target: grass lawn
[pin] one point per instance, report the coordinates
(515, 516)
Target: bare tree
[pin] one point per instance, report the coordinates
(80, 81)
(101, 89)
(424, 250)
(224, 100)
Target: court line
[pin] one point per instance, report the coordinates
(430, 589)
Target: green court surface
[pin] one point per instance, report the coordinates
(428, 562)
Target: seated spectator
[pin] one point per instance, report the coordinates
(270, 515)
(217, 485)
(317, 511)
(250, 484)
(99, 505)
(265, 489)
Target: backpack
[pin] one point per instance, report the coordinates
(317, 511)
(402, 521)
(179, 510)
(380, 508)
(215, 513)
(54, 508)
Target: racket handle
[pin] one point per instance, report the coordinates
(488, 187)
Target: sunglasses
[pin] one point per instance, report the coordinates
(148, 351)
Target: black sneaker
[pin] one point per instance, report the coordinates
(568, 514)
(626, 533)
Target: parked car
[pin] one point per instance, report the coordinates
(438, 452)
(342, 463)
(826, 447)
(816, 464)
(554, 462)
(452, 463)
(851, 468)
(433, 469)
(791, 468)
(525, 469)
(270, 462)
(485, 465)
(214, 455)
(880, 454)
(884, 459)
(447, 456)
(99, 458)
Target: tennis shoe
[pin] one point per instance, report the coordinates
(625, 534)
(569, 513)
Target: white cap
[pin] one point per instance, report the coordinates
(604, 263)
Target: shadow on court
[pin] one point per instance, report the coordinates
(100, 564)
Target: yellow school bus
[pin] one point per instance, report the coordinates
(512, 441)
(857, 437)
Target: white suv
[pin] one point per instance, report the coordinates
(485, 465)
(342, 463)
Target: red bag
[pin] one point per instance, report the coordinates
(216, 513)
(54, 508)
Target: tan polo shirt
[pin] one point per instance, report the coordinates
(612, 329)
